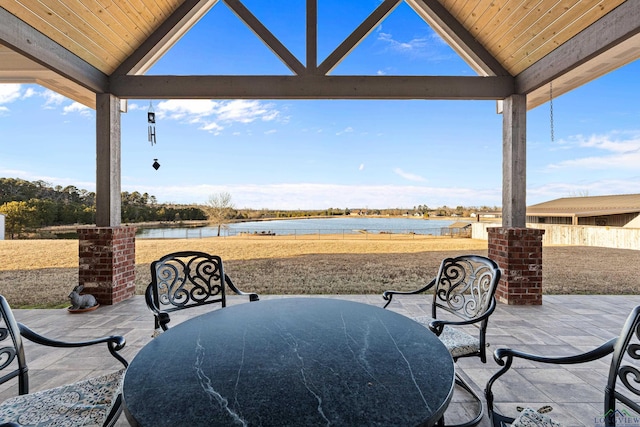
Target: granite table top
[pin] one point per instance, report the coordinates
(291, 362)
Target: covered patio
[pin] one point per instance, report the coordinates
(563, 325)
(519, 53)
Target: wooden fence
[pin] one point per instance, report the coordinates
(576, 235)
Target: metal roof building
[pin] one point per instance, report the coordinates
(615, 210)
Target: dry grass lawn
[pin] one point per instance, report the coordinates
(41, 273)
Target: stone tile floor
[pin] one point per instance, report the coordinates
(562, 325)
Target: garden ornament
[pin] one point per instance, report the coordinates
(78, 301)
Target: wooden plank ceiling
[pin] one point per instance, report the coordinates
(520, 32)
(104, 33)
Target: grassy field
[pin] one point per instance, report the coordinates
(41, 273)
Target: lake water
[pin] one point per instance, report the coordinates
(339, 225)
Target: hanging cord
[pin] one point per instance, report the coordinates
(551, 110)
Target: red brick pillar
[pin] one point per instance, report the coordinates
(518, 252)
(107, 263)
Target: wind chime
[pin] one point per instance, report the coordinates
(151, 120)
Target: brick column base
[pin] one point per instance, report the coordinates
(107, 263)
(518, 252)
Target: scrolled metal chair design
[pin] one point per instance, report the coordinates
(187, 279)
(623, 383)
(464, 287)
(95, 401)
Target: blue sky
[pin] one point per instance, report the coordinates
(320, 154)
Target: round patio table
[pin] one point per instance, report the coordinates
(291, 362)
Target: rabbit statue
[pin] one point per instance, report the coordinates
(81, 301)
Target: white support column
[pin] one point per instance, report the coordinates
(108, 202)
(514, 161)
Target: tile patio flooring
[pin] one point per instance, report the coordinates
(562, 325)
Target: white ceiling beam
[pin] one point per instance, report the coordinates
(267, 37)
(165, 36)
(457, 37)
(359, 34)
(619, 55)
(19, 69)
(26, 40)
(616, 28)
(312, 87)
(14, 64)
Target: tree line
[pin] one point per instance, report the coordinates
(28, 206)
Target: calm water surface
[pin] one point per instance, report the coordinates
(340, 225)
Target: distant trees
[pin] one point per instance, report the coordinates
(19, 217)
(143, 207)
(220, 209)
(334, 212)
(30, 205)
(423, 209)
(136, 207)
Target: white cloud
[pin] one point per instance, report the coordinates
(212, 127)
(270, 132)
(556, 190)
(246, 111)
(617, 161)
(9, 93)
(178, 109)
(427, 46)
(132, 106)
(30, 92)
(13, 92)
(322, 196)
(361, 167)
(348, 129)
(609, 143)
(408, 176)
(52, 180)
(76, 107)
(52, 99)
(412, 45)
(212, 116)
(619, 151)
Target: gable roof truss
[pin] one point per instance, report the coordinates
(617, 33)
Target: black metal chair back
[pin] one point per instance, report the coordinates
(14, 363)
(622, 391)
(465, 287)
(100, 396)
(187, 279)
(623, 384)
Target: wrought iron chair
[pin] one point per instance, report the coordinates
(623, 383)
(464, 292)
(187, 279)
(95, 401)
